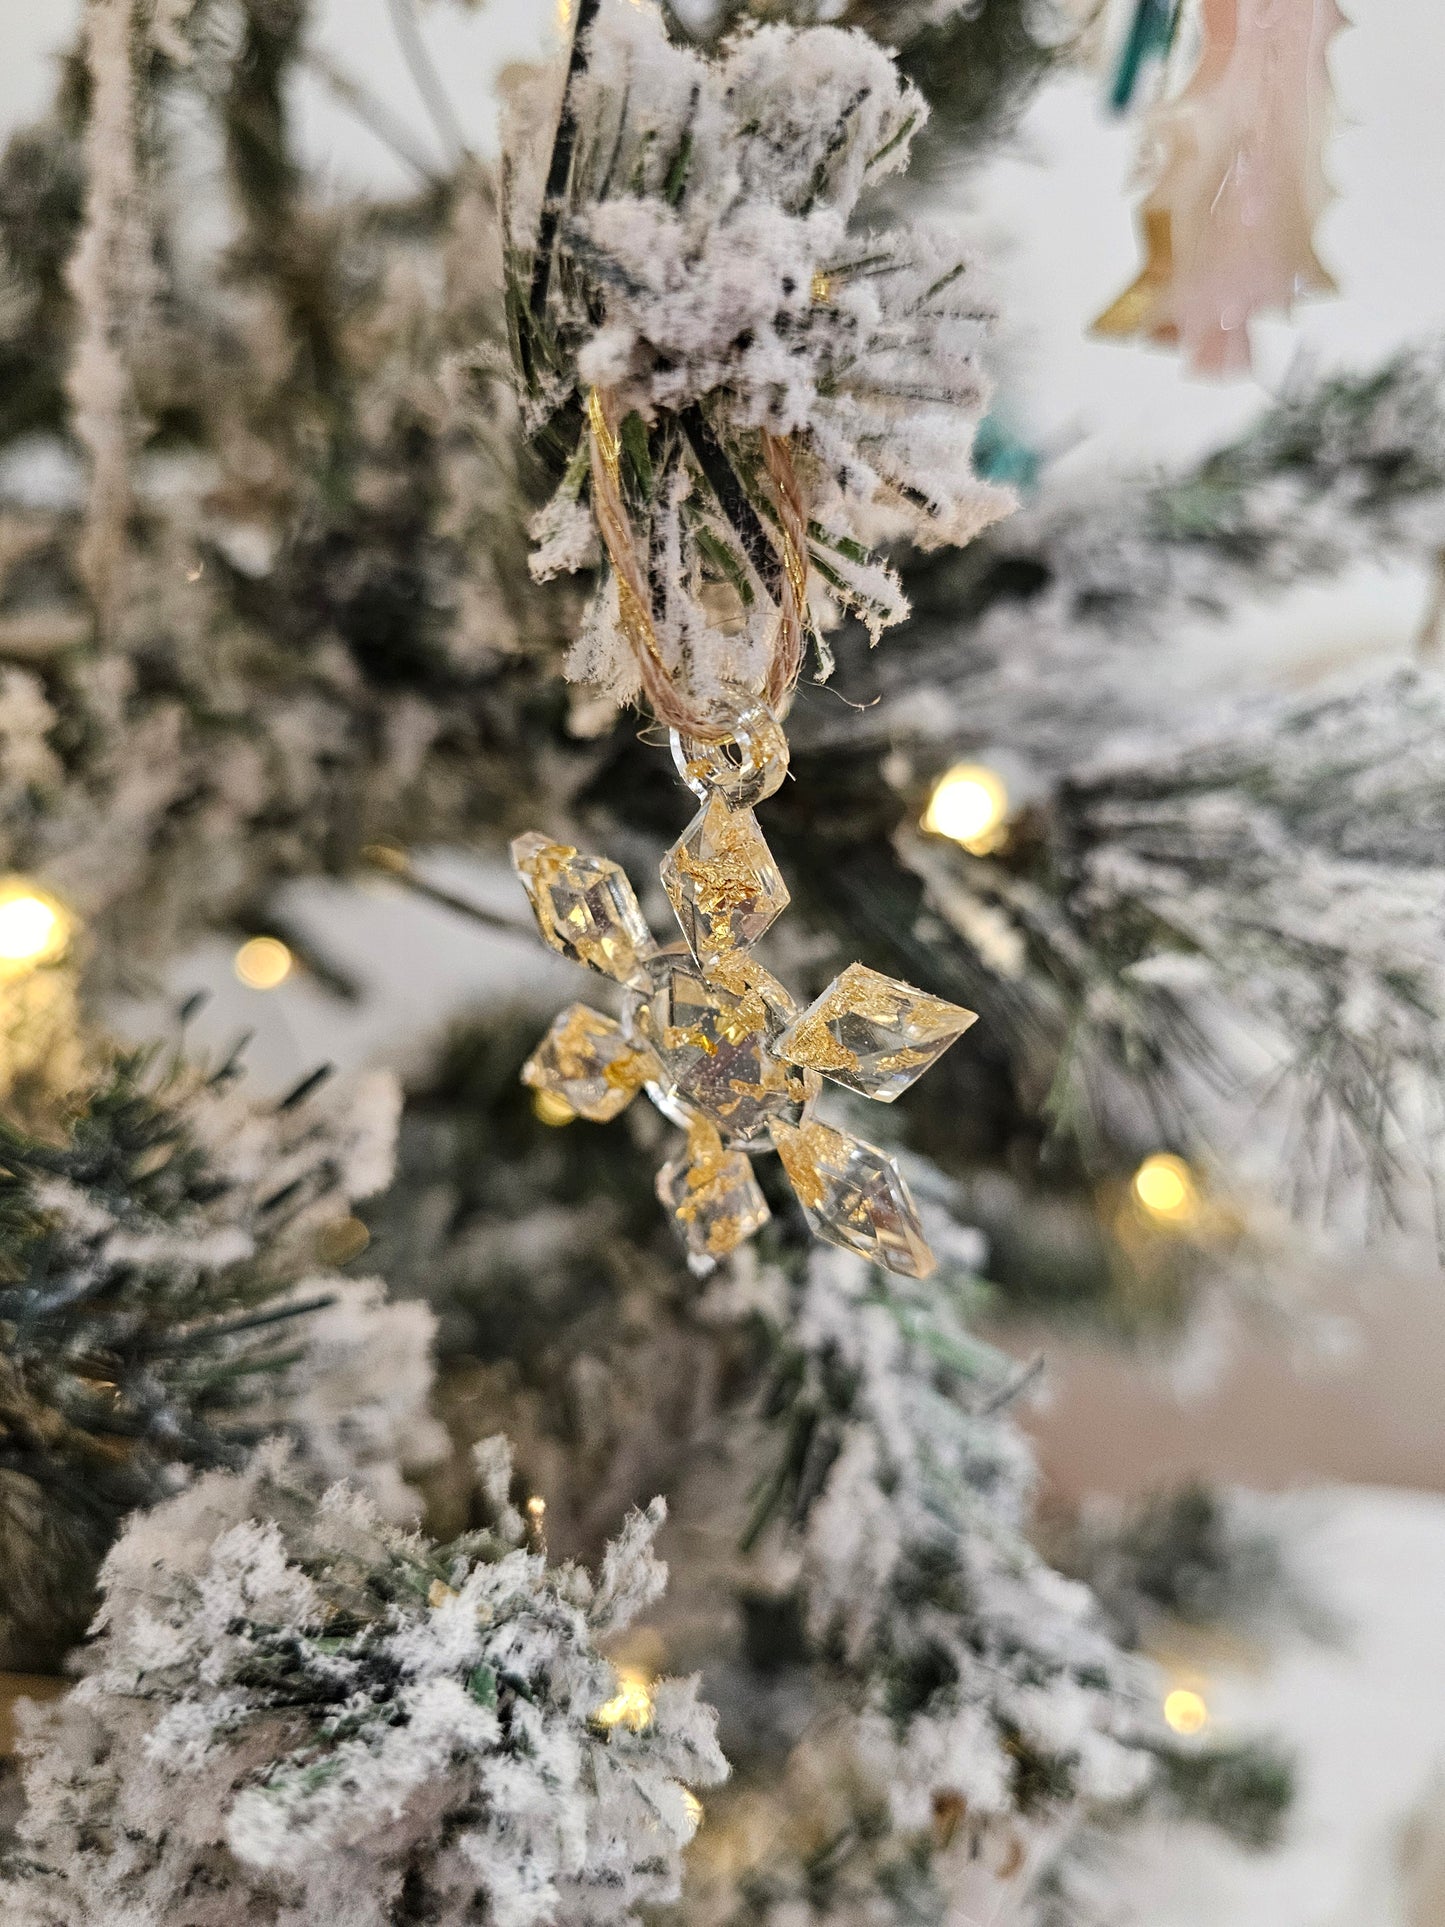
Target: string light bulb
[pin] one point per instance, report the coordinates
(1185, 1711)
(969, 805)
(1165, 1186)
(692, 1806)
(263, 962)
(630, 1705)
(34, 928)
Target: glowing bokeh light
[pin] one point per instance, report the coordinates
(34, 929)
(969, 805)
(263, 962)
(631, 1704)
(1185, 1711)
(1165, 1186)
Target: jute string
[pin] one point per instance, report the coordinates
(668, 700)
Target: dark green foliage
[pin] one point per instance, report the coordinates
(1191, 1557)
(40, 202)
(140, 1323)
(1245, 1790)
(564, 1309)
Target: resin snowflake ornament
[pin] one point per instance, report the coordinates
(717, 1042)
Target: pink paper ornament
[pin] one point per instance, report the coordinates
(1239, 183)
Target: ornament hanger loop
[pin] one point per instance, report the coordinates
(744, 768)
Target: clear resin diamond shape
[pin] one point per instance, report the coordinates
(584, 906)
(873, 1033)
(587, 1060)
(854, 1196)
(721, 880)
(715, 1047)
(713, 1196)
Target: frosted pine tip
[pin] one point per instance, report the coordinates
(1164, 1185)
(1185, 1711)
(263, 963)
(34, 928)
(630, 1705)
(969, 806)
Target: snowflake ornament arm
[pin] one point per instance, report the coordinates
(717, 1042)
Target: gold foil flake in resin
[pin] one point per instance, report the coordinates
(588, 1062)
(854, 1196)
(722, 882)
(715, 1048)
(713, 1037)
(873, 1033)
(585, 907)
(715, 1200)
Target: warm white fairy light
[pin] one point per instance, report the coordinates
(631, 1704)
(263, 962)
(1164, 1185)
(34, 928)
(1185, 1711)
(969, 805)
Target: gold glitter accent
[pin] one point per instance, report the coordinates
(608, 445)
(587, 1063)
(722, 882)
(1142, 307)
(853, 1196)
(821, 288)
(715, 1048)
(873, 1033)
(584, 906)
(713, 1196)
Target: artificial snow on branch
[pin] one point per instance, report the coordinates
(167, 1300)
(971, 1697)
(1032, 636)
(295, 1712)
(1280, 868)
(737, 379)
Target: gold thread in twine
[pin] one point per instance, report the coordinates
(787, 663)
(634, 602)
